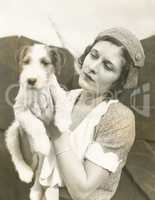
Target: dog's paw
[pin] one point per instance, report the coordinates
(36, 193)
(26, 174)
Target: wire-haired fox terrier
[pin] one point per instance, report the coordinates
(39, 102)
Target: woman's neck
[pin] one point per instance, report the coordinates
(89, 98)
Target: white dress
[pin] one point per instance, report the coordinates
(81, 142)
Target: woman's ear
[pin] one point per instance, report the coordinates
(132, 78)
(79, 61)
(85, 53)
(77, 66)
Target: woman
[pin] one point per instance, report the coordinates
(108, 66)
(91, 156)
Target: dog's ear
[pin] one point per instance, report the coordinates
(57, 59)
(19, 55)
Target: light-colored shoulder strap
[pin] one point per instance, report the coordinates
(72, 95)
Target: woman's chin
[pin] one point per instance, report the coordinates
(86, 86)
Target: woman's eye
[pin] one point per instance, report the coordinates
(108, 66)
(94, 55)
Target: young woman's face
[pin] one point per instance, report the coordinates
(101, 67)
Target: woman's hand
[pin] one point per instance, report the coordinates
(62, 118)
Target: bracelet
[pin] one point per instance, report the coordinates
(61, 152)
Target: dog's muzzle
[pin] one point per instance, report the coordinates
(31, 81)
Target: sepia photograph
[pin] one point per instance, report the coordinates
(77, 100)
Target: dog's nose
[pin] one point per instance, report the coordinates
(31, 81)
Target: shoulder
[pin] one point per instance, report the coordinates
(118, 112)
(118, 123)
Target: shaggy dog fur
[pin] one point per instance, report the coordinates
(40, 101)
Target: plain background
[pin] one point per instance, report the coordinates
(77, 21)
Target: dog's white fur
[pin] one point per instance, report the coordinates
(36, 64)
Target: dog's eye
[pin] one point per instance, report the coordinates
(26, 61)
(45, 63)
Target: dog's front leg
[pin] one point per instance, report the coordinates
(36, 130)
(12, 142)
(36, 191)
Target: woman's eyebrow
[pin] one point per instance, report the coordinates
(94, 50)
(109, 62)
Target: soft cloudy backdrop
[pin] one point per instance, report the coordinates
(78, 21)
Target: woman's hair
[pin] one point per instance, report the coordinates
(118, 86)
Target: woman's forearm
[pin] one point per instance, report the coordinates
(79, 181)
(71, 168)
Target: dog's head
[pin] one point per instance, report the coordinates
(37, 63)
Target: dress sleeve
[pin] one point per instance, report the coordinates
(114, 137)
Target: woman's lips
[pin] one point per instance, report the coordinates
(87, 77)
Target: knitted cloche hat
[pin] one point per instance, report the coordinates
(130, 42)
(134, 48)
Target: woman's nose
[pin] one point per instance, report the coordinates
(92, 71)
(93, 67)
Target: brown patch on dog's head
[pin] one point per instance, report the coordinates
(52, 56)
(20, 54)
(57, 59)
